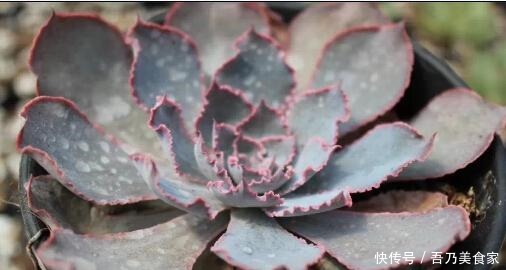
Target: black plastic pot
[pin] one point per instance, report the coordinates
(431, 76)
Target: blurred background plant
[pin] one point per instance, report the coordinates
(470, 36)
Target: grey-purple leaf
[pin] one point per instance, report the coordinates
(373, 66)
(172, 245)
(78, 154)
(202, 157)
(263, 122)
(255, 241)
(166, 64)
(282, 148)
(224, 137)
(317, 114)
(259, 70)
(355, 238)
(236, 109)
(215, 26)
(242, 196)
(465, 125)
(278, 178)
(316, 25)
(179, 145)
(58, 207)
(183, 194)
(381, 153)
(85, 59)
(312, 159)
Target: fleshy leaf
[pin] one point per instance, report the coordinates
(312, 159)
(84, 59)
(224, 137)
(185, 195)
(317, 114)
(255, 241)
(63, 141)
(279, 178)
(381, 153)
(282, 148)
(166, 120)
(258, 69)
(59, 207)
(215, 26)
(172, 245)
(204, 162)
(465, 126)
(166, 64)
(263, 122)
(309, 203)
(316, 25)
(242, 196)
(236, 109)
(373, 67)
(396, 201)
(354, 238)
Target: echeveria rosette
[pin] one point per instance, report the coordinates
(236, 137)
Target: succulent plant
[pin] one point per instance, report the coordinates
(264, 144)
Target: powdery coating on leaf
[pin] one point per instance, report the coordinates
(317, 113)
(58, 207)
(85, 59)
(381, 153)
(316, 25)
(242, 195)
(282, 148)
(166, 64)
(263, 122)
(396, 201)
(355, 238)
(207, 165)
(78, 154)
(215, 26)
(222, 105)
(465, 126)
(259, 70)
(178, 144)
(312, 159)
(185, 195)
(172, 245)
(373, 67)
(224, 137)
(278, 178)
(310, 203)
(254, 241)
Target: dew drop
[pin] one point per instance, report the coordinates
(104, 159)
(247, 250)
(374, 77)
(160, 63)
(123, 159)
(249, 80)
(105, 146)
(64, 143)
(133, 263)
(83, 146)
(176, 75)
(82, 167)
